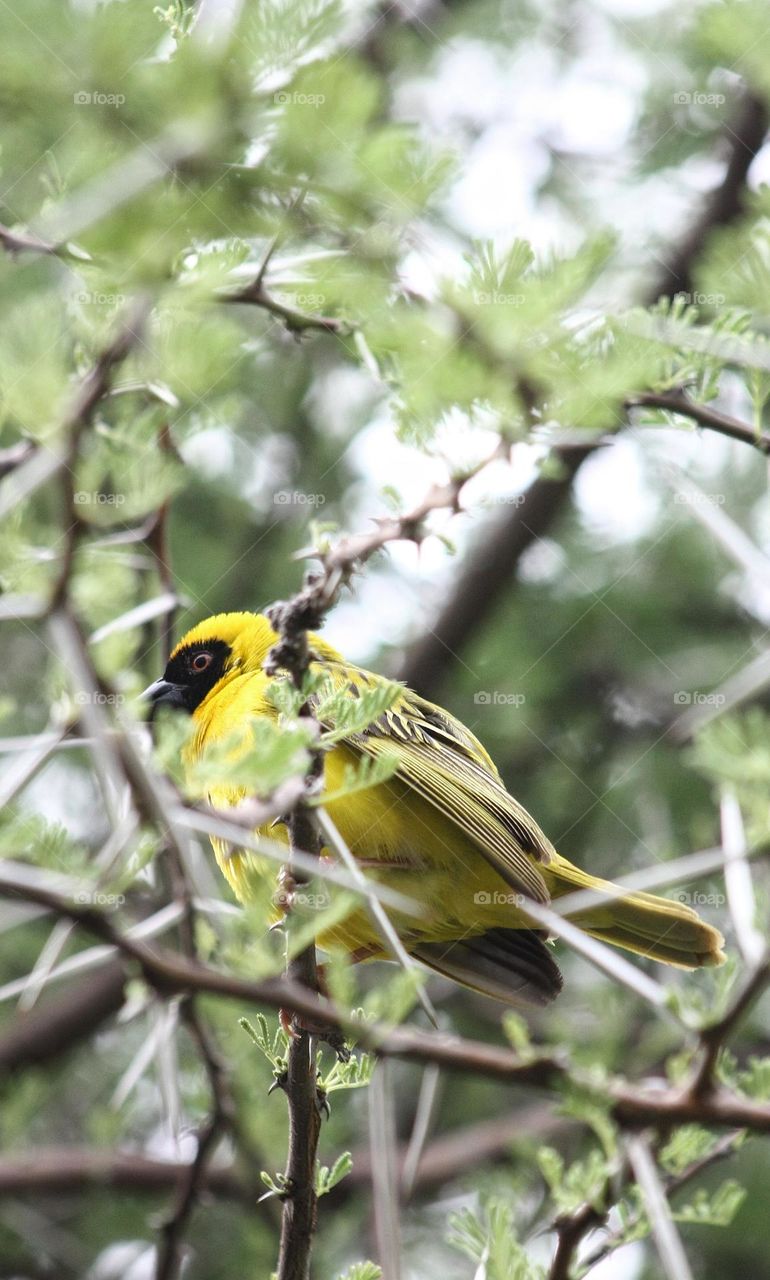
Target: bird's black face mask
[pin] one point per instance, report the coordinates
(190, 674)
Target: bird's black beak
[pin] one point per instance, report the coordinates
(163, 694)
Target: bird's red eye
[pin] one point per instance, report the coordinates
(201, 662)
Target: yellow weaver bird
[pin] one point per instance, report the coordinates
(442, 830)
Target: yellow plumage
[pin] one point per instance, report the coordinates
(442, 830)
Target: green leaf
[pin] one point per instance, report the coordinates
(715, 1209)
(351, 715)
(689, 1143)
(363, 1271)
(253, 760)
(755, 1080)
(34, 351)
(274, 1047)
(370, 771)
(592, 1108)
(276, 1186)
(356, 1073)
(583, 1181)
(489, 1239)
(517, 1032)
(326, 1179)
(283, 34)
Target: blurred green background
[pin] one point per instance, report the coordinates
(389, 160)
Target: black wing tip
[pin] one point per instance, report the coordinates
(514, 966)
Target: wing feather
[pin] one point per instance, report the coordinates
(444, 764)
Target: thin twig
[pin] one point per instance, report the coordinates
(714, 1037)
(255, 294)
(725, 531)
(170, 1256)
(743, 137)
(384, 1168)
(705, 415)
(423, 1117)
(70, 645)
(27, 766)
(90, 393)
(738, 882)
(307, 609)
(163, 606)
(15, 242)
(672, 1255)
(73, 1169)
(62, 1170)
(746, 685)
(295, 203)
(570, 1231)
(157, 541)
(15, 456)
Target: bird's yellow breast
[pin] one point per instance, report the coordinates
(400, 840)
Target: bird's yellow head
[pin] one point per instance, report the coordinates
(214, 651)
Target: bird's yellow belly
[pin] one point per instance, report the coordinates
(405, 844)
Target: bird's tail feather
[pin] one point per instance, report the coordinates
(660, 928)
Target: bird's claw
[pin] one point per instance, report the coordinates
(286, 1019)
(336, 1041)
(294, 1026)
